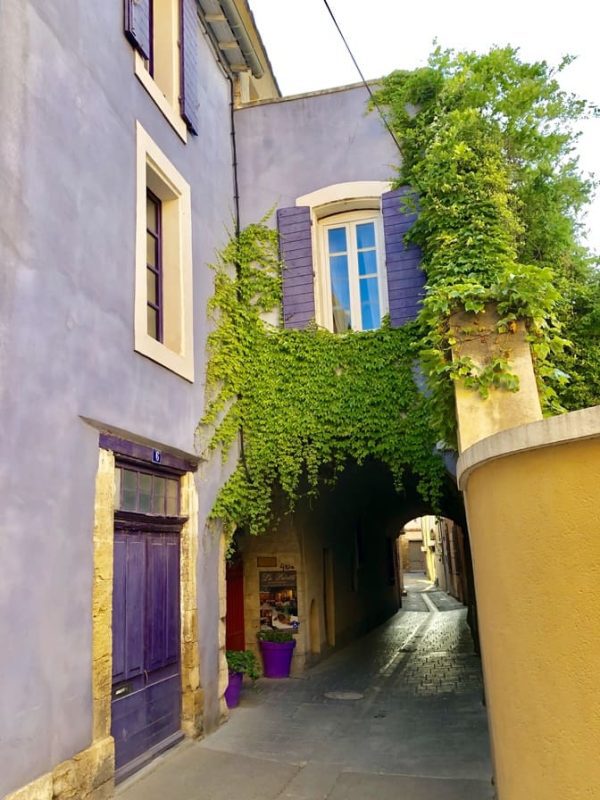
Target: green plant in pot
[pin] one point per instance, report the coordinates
(239, 663)
(277, 649)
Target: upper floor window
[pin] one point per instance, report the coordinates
(163, 59)
(347, 261)
(154, 265)
(165, 36)
(355, 296)
(163, 277)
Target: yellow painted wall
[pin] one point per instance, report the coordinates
(534, 519)
(478, 339)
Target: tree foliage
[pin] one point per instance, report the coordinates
(488, 146)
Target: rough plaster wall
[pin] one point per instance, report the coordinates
(287, 149)
(70, 100)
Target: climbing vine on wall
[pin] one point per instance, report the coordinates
(487, 144)
(306, 402)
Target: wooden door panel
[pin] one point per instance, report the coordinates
(156, 592)
(119, 625)
(173, 613)
(235, 638)
(146, 642)
(136, 568)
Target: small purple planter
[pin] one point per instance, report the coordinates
(277, 658)
(234, 688)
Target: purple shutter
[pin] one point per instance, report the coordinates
(190, 65)
(138, 25)
(295, 247)
(404, 276)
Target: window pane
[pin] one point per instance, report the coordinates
(129, 479)
(152, 322)
(117, 499)
(151, 214)
(172, 498)
(145, 492)
(367, 262)
(128, 490)
(151, 284)
(337, 240)
(151, 249)
(369, 304)
(158, 495)
(340, 293)
(365, 235)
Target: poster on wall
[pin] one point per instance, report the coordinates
(279, 600)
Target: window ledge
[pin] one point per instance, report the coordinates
(181, 364)
(171, 114)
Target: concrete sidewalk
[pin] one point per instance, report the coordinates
(416, 729)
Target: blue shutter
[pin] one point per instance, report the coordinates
(295, 247)
(138, 28)
(190, 65)
(404, 276)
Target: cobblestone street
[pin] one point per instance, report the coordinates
(397, 714)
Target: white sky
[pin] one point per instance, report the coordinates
(307, 53)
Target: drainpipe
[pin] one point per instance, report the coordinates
(239, 31)
(236, 206)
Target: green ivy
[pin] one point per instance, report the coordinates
(487, 144)
(306, 402)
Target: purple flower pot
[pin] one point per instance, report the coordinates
(277, 658)
(234, 688)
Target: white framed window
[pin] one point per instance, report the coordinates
(351, 271)
(163, 264)
(160, 73)
(348, 247)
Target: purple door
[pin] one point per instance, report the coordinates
(146, 664)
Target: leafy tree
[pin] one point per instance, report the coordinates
(488, 146)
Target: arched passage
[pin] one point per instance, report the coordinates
(335, 560)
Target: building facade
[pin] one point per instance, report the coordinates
(133, 135)
(117, 167)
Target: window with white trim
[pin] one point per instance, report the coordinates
(163, 264)
(352, 271)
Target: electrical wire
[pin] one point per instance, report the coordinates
(362, 77)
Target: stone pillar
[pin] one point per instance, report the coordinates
(477, 338)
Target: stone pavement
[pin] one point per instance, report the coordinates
(416, 729)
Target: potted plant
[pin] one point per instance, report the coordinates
(277, 648)
(240, 663)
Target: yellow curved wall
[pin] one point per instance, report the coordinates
(534, 520)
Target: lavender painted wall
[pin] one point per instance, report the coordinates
(69, 102)
(289, 148)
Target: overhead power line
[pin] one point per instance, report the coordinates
(362, 77)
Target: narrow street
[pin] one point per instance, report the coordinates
(396, 715)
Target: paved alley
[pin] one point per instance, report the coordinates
(396, 715)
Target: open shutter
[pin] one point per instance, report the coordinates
(405, 278)
(295, 247)
(190, 65)
(138, 27)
